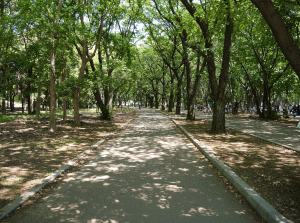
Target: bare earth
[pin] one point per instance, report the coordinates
(271, 170)
(29, 152)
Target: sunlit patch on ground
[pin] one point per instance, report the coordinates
(271, 170)
(29, 153)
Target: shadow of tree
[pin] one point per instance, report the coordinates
(150, 173)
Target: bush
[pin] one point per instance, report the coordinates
(274, 115)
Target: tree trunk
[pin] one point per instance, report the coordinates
(171, 99)
(3, 106)
(28, 103)
(76, 106)
(218, 123)
(218, 87)
(84, 60)
(64, 109)
(178, 96)
(12, 100)
(192, 93)
(151, 101)
(52, 104)
(156, 99)
(23, 102)
(191, 109)
(103, 108)
(281, 33)
(163, 98)
(163, 103)
(38, 102)
(63, 78)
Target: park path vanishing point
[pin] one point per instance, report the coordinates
(149, 173)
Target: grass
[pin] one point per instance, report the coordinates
(7, 118)
(59, 114)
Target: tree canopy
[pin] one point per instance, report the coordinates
(168, 54)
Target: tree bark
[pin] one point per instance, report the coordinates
(63, 78)
(52, 104)
(171, 98)
(53, 79)
(38, 102)
(218, 123)
(163, 97)
(3, 106)
(192, 93)
(218, 90)
(156, 99)
(104, 109)
(178, 96)
(76, 98)
(84, 60)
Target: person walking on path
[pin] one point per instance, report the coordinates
(140, 105)
(149, 173)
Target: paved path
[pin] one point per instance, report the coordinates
(149, 173)
(282, 135)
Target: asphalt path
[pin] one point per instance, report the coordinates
(149, 173)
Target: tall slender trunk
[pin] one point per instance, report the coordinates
(171, 98)
(218, 123)
(12, 100)
(156, 99)
(163, 97)
(192, 93)
(178, 96)
(64, 73)
(52, 104)
(28, 98)
(38, 102)
(85, 58)
(3, 105)
(76, 94)
(53, 79)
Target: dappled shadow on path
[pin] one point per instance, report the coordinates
(148, 174)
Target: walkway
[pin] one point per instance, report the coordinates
(149, 173)
(288, 137)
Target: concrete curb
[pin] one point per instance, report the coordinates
(262, 138)
(268, 140)
(9, 208)
(267, 211)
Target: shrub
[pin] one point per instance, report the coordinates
(274, 115)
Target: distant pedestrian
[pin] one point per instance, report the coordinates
(140, 105)
(298, 110)
(236, 108)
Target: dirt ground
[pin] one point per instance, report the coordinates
(271, 170)
(29, 152)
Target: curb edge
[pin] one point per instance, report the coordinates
(13, 205)
(266, 210)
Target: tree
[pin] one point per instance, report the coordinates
(218, 87)
(280, 32)
(85, 57)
